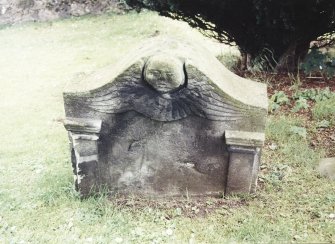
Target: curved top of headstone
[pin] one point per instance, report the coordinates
(166, 80)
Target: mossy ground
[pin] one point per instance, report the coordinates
(37, 200)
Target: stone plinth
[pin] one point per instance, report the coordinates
(84, 135)
(244, 156)
(169, 119)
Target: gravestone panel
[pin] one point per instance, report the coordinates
(167, 120)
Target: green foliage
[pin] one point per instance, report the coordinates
(320, 63)
(325, 109)
(317, 95)
(300, 131)
(323, 124)
(255, 26)
(300, 104)
(291, 138)
(279, 173)
(297, 152)
(314, 94)
(278, 99)
(324, 94)
(310, 94)
(56, 188)
(278, 128)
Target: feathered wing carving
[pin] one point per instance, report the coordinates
(203, 101)
(198, 97)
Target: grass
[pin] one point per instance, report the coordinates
(325, 110)
(37, 200)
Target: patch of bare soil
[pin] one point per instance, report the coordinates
(179, 206)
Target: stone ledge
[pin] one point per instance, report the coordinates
(242, 149)
(82, 125)
(244, 138)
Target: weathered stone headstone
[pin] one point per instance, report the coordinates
(169, 119)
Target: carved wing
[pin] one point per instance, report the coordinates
(117, 98)
(203, 101)
(197, 96)
(134, 94)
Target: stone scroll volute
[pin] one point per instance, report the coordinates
(169, 112)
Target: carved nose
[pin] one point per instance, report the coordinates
(164, 73)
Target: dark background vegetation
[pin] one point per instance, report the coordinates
(278, 32)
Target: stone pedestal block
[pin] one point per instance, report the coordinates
(244, 158)
(84, 135)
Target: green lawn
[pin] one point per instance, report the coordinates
(37, 200)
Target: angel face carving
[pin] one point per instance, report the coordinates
(164, 73)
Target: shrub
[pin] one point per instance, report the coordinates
(279, 31)
(317, 62)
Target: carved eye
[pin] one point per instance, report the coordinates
(164, 73)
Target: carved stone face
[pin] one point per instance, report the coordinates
(164, 73)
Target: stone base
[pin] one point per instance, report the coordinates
(244, 158)
(167, 176)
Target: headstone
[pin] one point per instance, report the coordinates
(167, 120)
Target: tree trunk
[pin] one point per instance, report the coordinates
(245, 61)
(289, 61)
